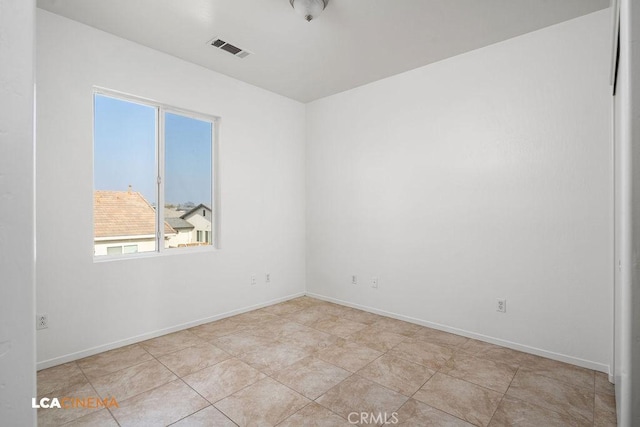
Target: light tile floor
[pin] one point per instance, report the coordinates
(307, 362)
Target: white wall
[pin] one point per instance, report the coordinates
(93, 306)
(627, 148)
(17, 316)
(484, 176)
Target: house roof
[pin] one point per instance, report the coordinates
(124, 213)
(178, 223)
(172, 213)
(200, 206)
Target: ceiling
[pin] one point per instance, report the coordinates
(353, 42)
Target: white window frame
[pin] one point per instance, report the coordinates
(161, 109)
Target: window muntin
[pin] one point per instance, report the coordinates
(148, 155)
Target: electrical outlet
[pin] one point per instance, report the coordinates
(502, 306)
(42, 321)
(374, 282)
(354, 280)
(253, 279)
(267, 278)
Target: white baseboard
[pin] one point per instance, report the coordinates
(512, 345)
(138, 338)
(143, 337)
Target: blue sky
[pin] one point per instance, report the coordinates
(125, 152)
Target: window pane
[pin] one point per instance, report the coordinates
(114, 250)
(125, 188)
(130, 249)
(187, 182)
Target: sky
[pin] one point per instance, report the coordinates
(125, 152)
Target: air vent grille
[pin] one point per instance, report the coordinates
(228, 47)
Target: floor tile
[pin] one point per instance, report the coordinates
(305, 301)
(397, 374)
(517, 413)
(308, 315)
(242, 342)
(577, 402)
(113, 360)
(294, 305)
(338, 326)
(605, 419)
(432, 356)
(50, 417)
(283, 308)
(332, 309)
(61, 376)
(486, 373)
(253, 318)
(435, 336)
(221, 380)
(347, 359)
(603, 385)
(310, 340)
(560, 371)
(314, 415)
(361, 316)
(397, 326)
(192, 359)
(160, 406)
(605, 403)
(171, 342)
(494, 352)
(207, 417)
(278, 329)
(265, 403)
(134, 380)
(311, 376)
(377, 338)
(357, 394)
(274, 357)
(349, 355)
(459, 398)
(417, 414)
(217, 329)
(101, 418)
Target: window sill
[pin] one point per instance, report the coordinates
(156, 254)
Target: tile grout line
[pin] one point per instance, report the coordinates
(189, 386)
(96, 391)
(384, 353)
(503, 396)
(200, 410)
(535, 404)
(429, 379)
(331, 388)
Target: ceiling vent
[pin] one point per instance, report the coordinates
(234, 50)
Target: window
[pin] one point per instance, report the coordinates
(148, 155)
(130, 249)
(114, 250)
(119, 250)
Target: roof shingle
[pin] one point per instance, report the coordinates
(124, 213)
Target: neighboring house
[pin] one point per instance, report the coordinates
(124, 222)
(184, 232)
(201, 217)
(174, 213)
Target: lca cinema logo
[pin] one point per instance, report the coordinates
(73, 402)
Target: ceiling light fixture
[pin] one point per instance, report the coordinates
(310, 9)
